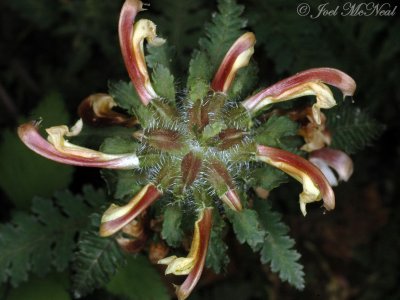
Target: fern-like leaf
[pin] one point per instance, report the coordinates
(171, 230)
(126, 97)
(352, 129)
(275, 130)
(199, 78)
(247, 227)
(245, 82)
(159, 60)
(268, 177)
(181, 23)
(278, 246)
(96, 260)
(37, 242)
(158, 55)
(225, 27)
(163, 82)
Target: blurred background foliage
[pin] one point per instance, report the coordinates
(53, 53)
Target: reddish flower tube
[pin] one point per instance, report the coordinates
(237, 57)
(335, 159)
(131, 39)
(309, 82)
(96, 110)
(315, 185)
(116, 217)
(64, 152)
(193, 264)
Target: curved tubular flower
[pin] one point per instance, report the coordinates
(339, 161)
(131, 38)
(309, 82)
(116, 217)
(237, 57)
(97, 110)
(315, 185)
(193, 264)
(60, 150)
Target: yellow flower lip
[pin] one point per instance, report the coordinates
(315, 184)
(309, 82)
(57, 148)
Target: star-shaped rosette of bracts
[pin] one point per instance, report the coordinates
(192, 149)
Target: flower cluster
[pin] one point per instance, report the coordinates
(194, 148)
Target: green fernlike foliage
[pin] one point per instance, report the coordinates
(96, 260)
(100, 262)
(277, 248)
(125, 96)
(247, 228)
(224, 29)
(163, 80)
(263, 230)
(275, 130)
(37, 242)
(352, 129)
(217, 257)
(171, 230)
(182, 23)
(45, 240)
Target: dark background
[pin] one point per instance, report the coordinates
(68, 49)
